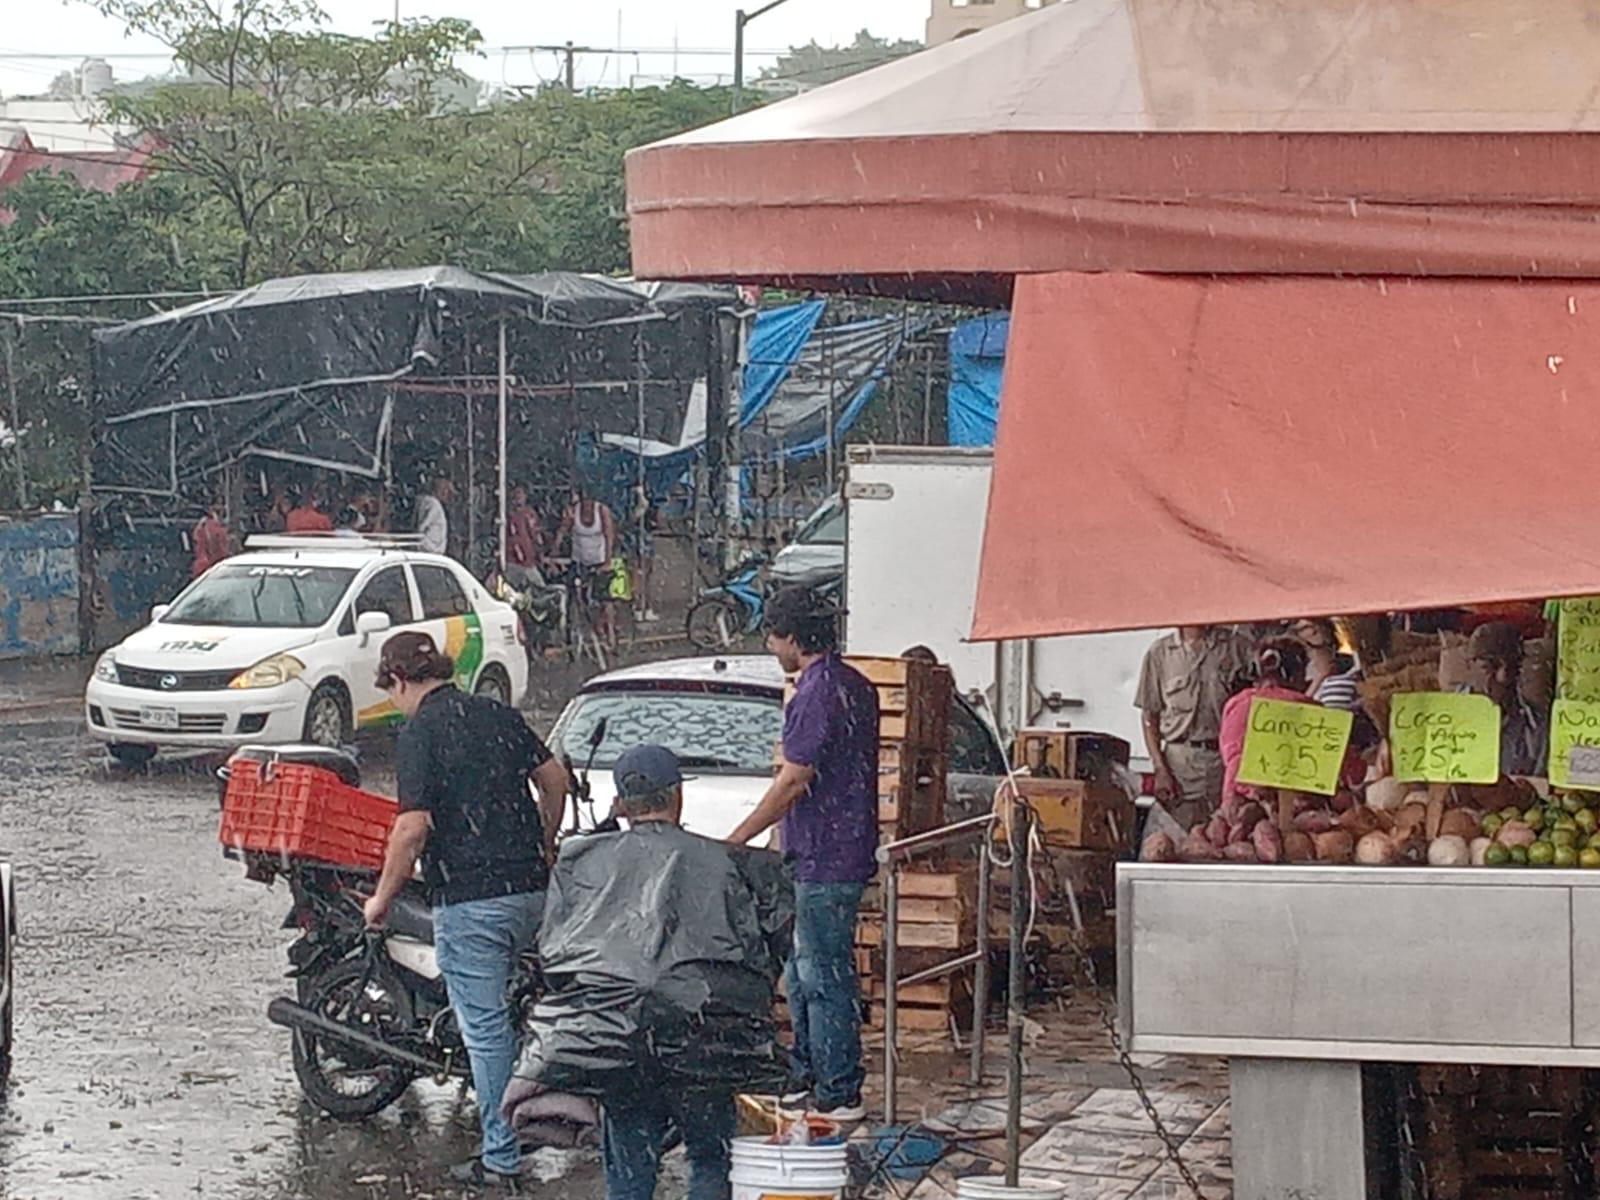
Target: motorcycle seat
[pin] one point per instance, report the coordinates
(410, 917)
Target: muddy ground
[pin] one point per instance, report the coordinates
(145, 1065)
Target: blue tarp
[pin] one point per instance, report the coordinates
(977, 359)
(776, 338)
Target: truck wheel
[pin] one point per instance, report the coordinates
(129, 755)
(327, 716)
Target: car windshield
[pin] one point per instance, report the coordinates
(708, 731)
(272, 597)
(825, 527)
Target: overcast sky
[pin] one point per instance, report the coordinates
(73, 29)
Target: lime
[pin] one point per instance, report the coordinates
(1541, 854)
(1566, 856)
(1499, 856)
(1519, 856)
(1534, 818)
(1561, 821)
(1586, 820)
(1572, 802)
(1511, 813)
(1563, 837)
(1589, 858)
(1492, 823)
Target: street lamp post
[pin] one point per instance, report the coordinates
(740, 20)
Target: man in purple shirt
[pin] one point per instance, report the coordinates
(826, 798)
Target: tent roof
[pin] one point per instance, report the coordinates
(1365, 136)
(1188, 450)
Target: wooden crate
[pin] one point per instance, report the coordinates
(1494, 1133)
(1077, 814)
(1068, 753)
(914, 699)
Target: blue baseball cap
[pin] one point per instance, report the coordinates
(645, 771)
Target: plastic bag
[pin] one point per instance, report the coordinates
(620, 586)
(661, 952)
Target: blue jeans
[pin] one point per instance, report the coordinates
(824, 999)
(478, 942)
(634, 1127)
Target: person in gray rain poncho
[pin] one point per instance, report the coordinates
(661, 951)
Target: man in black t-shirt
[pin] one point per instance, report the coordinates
(464, 765)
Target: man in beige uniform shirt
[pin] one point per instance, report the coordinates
(1182, 688)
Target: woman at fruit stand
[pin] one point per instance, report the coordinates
(1280, 669)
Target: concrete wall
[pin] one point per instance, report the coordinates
(39, 585)
(951, 19)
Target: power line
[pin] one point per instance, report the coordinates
(109, 298)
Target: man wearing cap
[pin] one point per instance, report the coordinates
(661, 951)
(1495, 651)
(464, 764)
(826, 798)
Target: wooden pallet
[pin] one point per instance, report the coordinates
(1497, 1133)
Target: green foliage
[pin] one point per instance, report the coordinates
(287, 150)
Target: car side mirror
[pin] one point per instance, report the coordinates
(369, 623)
(158, 611)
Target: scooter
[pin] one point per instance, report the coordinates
(733, 608)
(370, 1013)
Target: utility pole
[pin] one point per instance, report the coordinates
(740, 20)
(571, 52)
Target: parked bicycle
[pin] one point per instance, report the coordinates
(733, 609)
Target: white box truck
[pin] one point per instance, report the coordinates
(914, 536)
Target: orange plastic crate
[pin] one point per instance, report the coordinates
(298, 811)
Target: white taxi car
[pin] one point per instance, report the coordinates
(280, 644)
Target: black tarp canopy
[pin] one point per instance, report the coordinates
(306, 369)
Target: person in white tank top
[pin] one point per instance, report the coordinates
(593, 531)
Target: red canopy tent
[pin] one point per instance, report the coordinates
(1437, 434)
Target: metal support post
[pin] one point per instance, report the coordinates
(891, 988)
(501, 456)
(980, 971)
(1016, 997)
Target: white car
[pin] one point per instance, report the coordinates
(280, 644)
(723, 718)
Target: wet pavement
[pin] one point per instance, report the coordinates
(144, 1059)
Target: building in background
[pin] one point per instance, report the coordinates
(952, 19)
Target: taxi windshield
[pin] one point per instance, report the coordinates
(260, 595)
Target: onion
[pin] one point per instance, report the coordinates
(1375, 850)
(1448, 850)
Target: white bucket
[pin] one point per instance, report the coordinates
(762, 1170)
(987, 1187)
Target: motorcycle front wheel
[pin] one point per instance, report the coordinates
(713, 624)
(343, 1081)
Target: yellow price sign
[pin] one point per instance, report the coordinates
(1296, 746)
(1574, 731)
(1578, 649)
(1444, 737)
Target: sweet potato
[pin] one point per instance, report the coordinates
(1241, 852)
(1159, 847)
(1335, 846)
(1216, 831)
(1196, 849)
(1298, 847)
(1315, 821)
(1248, 815)
(1267, 841)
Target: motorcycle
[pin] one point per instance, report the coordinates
(733, 608)
(370, 1013)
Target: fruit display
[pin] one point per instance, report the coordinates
(1507, 824)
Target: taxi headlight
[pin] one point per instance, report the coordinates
(106, 669)
(270, 672)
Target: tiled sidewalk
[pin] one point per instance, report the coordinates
(1082, 1123)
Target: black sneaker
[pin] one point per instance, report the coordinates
(475, 1174)
(845, 1113)
(793, 1105)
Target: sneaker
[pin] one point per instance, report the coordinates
(844, 1113)
(475, 1174)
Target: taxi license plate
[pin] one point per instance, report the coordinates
(159, 718)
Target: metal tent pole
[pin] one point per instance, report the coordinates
(501, 456)
(1016, 999)
(16, 420)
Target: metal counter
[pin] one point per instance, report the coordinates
(1298, 974)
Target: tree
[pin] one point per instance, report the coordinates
(812, 65)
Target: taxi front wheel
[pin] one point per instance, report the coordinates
(327, 716)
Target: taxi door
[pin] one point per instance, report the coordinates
(388, 590)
